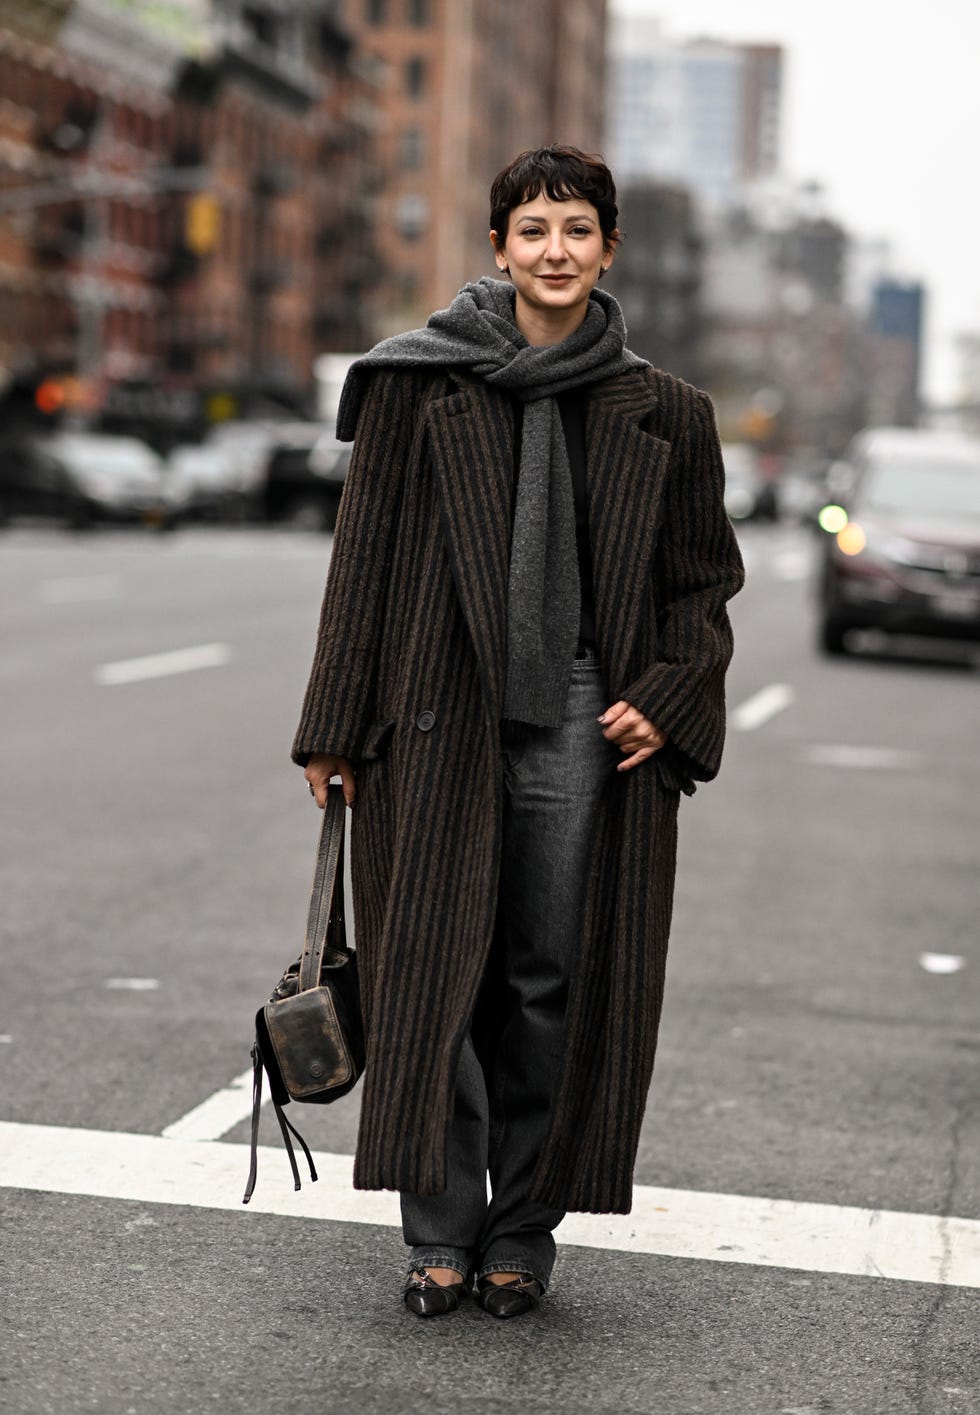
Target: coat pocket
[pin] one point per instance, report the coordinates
(376, 741)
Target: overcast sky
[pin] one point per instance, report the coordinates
(882, 107)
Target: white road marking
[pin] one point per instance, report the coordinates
(862, 758)
(5, 1039)
(218, 1114)
(161, 665)
(763, 705)
(677, 1223)
(133, 984)
(941, 962)
(75, 589)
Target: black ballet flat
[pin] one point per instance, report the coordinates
(427, 1298)
(509, 1299)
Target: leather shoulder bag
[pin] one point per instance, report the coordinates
(309, 1037)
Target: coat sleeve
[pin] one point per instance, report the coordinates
(337, 707)
(699, 568)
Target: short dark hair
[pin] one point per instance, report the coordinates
(562, 173)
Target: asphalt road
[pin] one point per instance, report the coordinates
(820, 1040)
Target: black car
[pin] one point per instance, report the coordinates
(902, 551)
(81, 478)
(304, 476)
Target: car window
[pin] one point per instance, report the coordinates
(104, 457)
(937, 487)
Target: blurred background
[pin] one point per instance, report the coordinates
(207, 207)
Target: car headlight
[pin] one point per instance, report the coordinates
(856, 541)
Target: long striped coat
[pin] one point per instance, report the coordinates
(407, 680)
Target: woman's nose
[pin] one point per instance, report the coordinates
(556, 246)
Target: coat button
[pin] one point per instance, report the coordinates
(425, 721)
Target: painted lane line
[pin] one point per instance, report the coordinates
(217, 1115)
(677, 1223)
(763, 705)
(132, 984)
(162, 665)
(941, 963)
(861, 758)
(79, 589)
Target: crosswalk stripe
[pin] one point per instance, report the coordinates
(677, 1223)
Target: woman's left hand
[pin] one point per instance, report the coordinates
(627, 728)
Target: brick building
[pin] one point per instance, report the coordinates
(464, 85)
(179, 220)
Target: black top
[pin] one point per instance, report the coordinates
(572, 406)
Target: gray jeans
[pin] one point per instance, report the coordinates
(510, 1061)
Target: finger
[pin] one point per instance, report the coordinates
(628, 722)
(641, 756)
(612, 714)
(347, 781)
(632, 742)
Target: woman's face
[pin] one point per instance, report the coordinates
(555, 251)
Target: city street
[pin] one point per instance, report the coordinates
(814, 1118)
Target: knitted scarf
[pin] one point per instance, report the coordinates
(477, 332)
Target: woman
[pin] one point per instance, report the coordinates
(519, 669)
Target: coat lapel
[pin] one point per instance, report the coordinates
(471, 437)
(627, 469)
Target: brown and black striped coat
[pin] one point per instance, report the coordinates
(407, 681)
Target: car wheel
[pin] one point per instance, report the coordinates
(307, 513)
(831, 635)
(330, 509)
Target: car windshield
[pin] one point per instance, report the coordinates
(111, 458)
(937, 487)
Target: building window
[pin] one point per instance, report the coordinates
(376, 11)
(415, 77)
(412, 149)
(418, 13)
(411, 215)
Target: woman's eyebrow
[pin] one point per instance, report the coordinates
(574, 219)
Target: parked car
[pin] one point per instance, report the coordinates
(902, 551)
(305, 475)
(82, 478)
(206, 484)
(748, 493)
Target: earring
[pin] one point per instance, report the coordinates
(504, 269)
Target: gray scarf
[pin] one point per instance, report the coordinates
(478, 332)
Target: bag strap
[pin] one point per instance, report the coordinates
(327, 894)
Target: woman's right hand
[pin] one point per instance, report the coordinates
(321, 767)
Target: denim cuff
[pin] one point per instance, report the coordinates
(461, 1259)
(513, 1265)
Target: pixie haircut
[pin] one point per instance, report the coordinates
(561, 173)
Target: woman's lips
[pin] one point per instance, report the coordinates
(556, 279)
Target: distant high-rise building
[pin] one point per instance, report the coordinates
(895, 325)
(464, 85)
(702, 113)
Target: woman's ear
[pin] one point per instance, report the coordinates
(498, 253)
